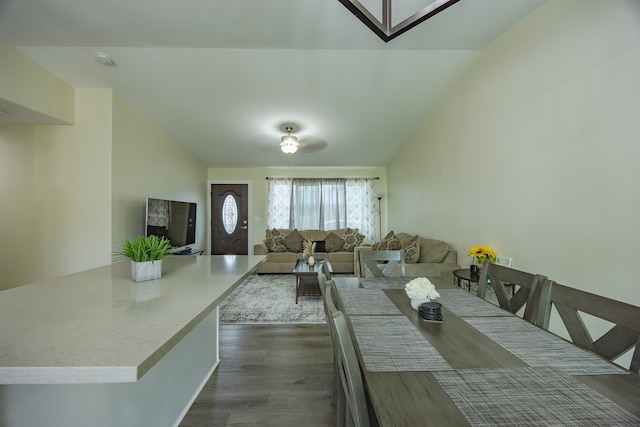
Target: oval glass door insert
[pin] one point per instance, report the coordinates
(229, 214)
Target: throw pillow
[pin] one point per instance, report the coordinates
(293, 241)
(274, 240)
(320, 246)
(412, 251)
(433, 250)
(333, 243)
(389, 243)
(352, 238)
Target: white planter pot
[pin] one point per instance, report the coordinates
(415, 302)
(148, 270)
(311, 260)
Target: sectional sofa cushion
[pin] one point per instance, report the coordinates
(333, 242)
(293, 241)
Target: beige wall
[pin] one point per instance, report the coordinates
(56, 194)
(257, 180)
(30, 89)
(71, 193)
(534, 151)
(147, 163)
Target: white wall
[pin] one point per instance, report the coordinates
(534, 151)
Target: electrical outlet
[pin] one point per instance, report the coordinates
(504, 261)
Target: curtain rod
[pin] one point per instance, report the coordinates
(342, 177)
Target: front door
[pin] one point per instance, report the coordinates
(229, 225)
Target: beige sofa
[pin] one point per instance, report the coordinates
(342, 260)
(435, 258)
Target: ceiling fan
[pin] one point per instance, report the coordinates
(291, 141)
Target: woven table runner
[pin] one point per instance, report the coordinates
(540, 348)
(462, 303)
(384, 282)
(367, 301)
(529, 397)
(393, 343)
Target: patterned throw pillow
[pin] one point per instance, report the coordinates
(352, 238)
(293, 241)
(275, 240)
(389, 243)
(412, 251)
(333, 243)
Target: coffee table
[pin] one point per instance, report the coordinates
(307, 278)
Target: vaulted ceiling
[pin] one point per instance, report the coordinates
(221, 77)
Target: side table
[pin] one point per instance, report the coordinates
(464, 274)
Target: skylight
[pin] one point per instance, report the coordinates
(389, 19)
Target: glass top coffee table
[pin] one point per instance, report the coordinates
(307, 277)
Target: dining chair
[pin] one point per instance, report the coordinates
(499, 277)
(569, 302)
(323, 268)
(350, 376)
(337, 393)
(370, 259)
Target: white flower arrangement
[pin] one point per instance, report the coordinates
(421, 287)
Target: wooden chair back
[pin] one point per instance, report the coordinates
(323, 268)
(499, 276)
(569, 302)
(322, 282)
(371, 259)
(350, 375)
(329, 310)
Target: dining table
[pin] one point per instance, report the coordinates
(479, 366)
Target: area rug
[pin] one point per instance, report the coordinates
(270, 298)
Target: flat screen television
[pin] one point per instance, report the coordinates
(172, 219)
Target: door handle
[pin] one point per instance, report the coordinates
(244, 227)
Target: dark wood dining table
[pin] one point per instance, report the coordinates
(480, 366)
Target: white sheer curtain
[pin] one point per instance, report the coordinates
(321, 203)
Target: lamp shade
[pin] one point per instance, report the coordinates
(289, 144)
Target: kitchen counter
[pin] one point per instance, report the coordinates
(100, 327)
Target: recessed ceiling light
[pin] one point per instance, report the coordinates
(105, 59)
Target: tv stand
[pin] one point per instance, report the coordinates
(188, 251)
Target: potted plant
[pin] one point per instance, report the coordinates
(146, 254)
(480, 254)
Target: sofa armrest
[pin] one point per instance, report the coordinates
(451, 257)
(260, 249)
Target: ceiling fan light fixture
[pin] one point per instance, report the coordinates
(289, 144)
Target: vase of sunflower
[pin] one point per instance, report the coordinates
(480, 254)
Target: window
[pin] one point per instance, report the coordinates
(322, 203)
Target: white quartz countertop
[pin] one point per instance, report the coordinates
(98, 326)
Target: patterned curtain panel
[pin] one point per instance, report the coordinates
(322, 203)
(279, 203)
(361, 207)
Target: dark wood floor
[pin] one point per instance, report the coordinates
(270, 375)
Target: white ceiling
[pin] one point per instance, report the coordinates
(221, 76)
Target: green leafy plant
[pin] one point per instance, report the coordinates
(141, 249)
